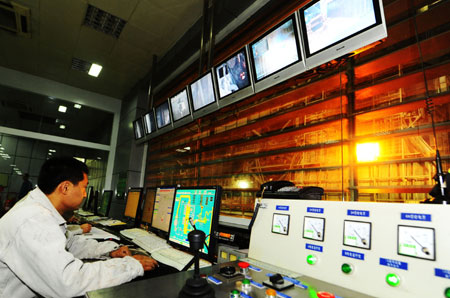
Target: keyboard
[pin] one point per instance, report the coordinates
(271, 267)
(176, 258)
(134, 233)
(84, 213)
(150, 242)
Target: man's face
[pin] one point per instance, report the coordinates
(76, 194)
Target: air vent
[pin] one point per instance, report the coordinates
(80, 65)
(104, 22)
(15, 18)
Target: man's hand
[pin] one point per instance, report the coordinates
(121, 252)
(86, 228)
(146, 262)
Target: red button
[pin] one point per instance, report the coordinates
(243, 265)
(324, 295)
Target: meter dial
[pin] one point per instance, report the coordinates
(314, 228)
(280, 223)
(357, 233)
(416, 242)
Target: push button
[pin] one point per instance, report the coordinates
(325, 295)
(393, 280)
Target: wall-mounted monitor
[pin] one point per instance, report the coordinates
(277, 54)
(199, 206)
(331, 29)
(138, 129)
(203, 96)
(149, 123)
(233, 79)
(179, 106)
(163, 116)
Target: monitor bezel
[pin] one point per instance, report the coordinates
(287, 71)
(167, 126)
(151, 116)
(214, 224)
(351, 43)
(138, 123)
(209, 108)
(138, 211)
(144, 198)
(239, 94)
(110, 192)
(185, 119)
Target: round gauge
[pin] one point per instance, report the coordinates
(280, 223)
(357, 233)
(416, 242)
(314, 228)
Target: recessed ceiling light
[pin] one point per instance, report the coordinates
(62, 109)
(99, 158)
(95, 70)
(77, 106)
(62, 126)
(51, 150)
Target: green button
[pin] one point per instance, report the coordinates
(393, 279)
(447, 293)
(245, 281)
(311, 259)
(346, 268)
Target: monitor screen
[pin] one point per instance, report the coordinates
(201, 204)
(138, 129)
(163, 208)
(276, 50)
(89, 199)
(180, 105)
(162, 115)
(149, 203)
(233, 74)
(149, 123)
(105, 203)
(202, 92)
(133, 197)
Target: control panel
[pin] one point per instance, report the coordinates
(377, 249)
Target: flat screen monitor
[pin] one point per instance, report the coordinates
(233, 79)
(105, 203)
(276, 55)
(203, 96)
(334, 28)
(201, 205)
(162, 115)
(133, 198)
(179, 104)
(138, 129)
(149, 123)
(89, 199)
(163, 208)
(149, 204)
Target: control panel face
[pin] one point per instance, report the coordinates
(378, 249)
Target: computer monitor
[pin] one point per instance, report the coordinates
(162, 115)
(149, 204)
(203, 95)
(104, 203)
(149, 123)
(89, 199)
(277, 54)
(138, 129)
(132, 206)
(202, 205)
(163, 209)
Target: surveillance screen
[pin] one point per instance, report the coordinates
(276, 50)
(149, 123)
(202, 92)
(329, 21)
(162, 115)
(232, 75)
(180, 105)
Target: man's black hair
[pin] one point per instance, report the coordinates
(58, 169)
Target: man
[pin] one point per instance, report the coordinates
(26, 186)
(36, 258)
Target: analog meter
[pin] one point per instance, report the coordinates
(314, 228)
(357, 233)
(280, 223)
(416, 242)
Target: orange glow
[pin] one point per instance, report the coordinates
(367, 152)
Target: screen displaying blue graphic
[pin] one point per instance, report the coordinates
(197, 204)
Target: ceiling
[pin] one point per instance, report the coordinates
(152, 27)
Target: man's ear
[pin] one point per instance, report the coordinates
(63, 187)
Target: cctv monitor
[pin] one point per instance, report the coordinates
(132, 205)
(276, 55)
(149, 123)
(138, 129)
(331, 29)
(162, 115)
(179, 106)
(162, 210)
(149, 204)
(203, 95)
(199, 207)
(104, 203)
(233, 79)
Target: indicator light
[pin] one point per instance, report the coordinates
(234, 294)
(311, 259)
(393, 279)
(325, 295)
(346, 268)
(447, 293)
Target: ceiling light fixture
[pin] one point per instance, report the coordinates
(62, 126)
(77, 106)
(62, 109)
(95, 70)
